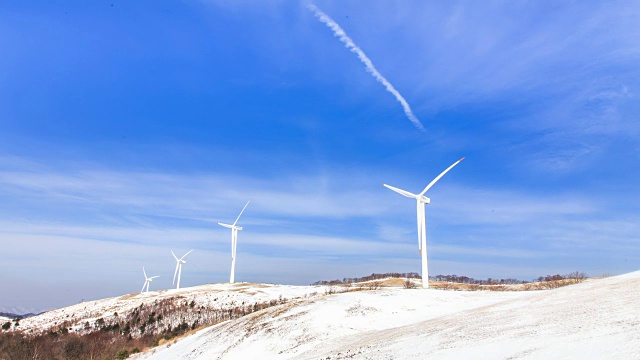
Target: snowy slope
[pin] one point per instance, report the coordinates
(4, 319)
(297, 328)
(595, 319)
(220, 296)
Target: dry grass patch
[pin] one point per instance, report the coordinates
(542, 285)
(130, 296)
(395, 282)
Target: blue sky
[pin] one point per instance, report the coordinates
(130, 128)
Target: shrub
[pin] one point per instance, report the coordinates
(75, 348)
(409, 284)
(6, 326)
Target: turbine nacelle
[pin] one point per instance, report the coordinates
(235, 227)
(420, 197)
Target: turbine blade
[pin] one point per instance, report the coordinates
(400, 191)
(153, 277)
(235, 222)
(145, 284)
(175, 273)
(439, 176)
(226, 225)
(174, 255)
(144, 272)
(185, 255)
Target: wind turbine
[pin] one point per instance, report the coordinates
(234, 240)
(179, 267)
(421, 201)
(147, 280)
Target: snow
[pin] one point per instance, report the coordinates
(4, 319)
(211, 295)
(595, 319)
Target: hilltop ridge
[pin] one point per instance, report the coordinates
(590, 319)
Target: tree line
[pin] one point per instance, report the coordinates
(576, 275)
(374, 276)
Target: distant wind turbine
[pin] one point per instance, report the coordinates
(147, 280)
(179, 267)
(234, 240)
(421, 201)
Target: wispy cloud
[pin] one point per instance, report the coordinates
(109, 222)
(197, 196)
(348, 42)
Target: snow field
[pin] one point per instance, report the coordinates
(595, 319)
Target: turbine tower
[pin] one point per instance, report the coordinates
(421, 201)
(147, 280)
(234, 240)
(179, 267)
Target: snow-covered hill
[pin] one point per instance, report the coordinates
(594, 319)
(83, 318)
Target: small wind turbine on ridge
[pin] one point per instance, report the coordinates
(147, 280)
(234, 241)
(421, 201)
(179, 263)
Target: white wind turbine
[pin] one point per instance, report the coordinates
(421, 201)
(179, 267)
(234, 240)
(147, 280)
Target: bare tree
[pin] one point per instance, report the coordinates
(577, 276)
(409, 284)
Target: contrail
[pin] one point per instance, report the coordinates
(339, 33)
